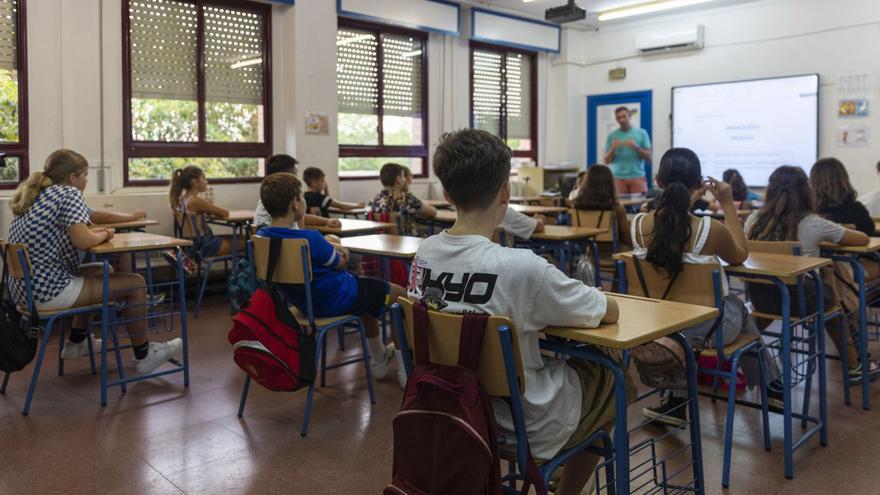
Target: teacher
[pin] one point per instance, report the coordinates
(628, 148)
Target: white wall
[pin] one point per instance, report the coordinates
(751, 40)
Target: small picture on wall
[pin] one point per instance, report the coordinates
(317, 123)
(854, 107)
(854, 135)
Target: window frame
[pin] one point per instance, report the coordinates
(533, 74)
(201, 148)
(382, 150)
(20, 149)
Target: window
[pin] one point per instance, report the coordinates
(503, 97)
(13, 94)
(381, 77)
(197, 89)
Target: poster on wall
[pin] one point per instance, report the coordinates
(855, 107)
(854, 135)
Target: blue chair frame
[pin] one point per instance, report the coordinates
(205, 262)
(321, 343)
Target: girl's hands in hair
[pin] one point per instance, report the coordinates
(719, 189)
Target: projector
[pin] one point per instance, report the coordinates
(565, 13)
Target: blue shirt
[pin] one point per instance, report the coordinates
(334, 290)
(626, 162)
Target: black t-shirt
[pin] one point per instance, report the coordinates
(851, 212)
(318, 200)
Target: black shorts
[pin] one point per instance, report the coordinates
(372, 295)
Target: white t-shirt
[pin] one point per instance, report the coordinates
(262, 218)
(518, 224)
(871, 201)
(471, 273)
(812, 231)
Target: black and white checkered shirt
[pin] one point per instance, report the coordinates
(44, 229)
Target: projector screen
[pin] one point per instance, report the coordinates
(753, 126)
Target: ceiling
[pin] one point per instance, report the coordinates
(536, 8)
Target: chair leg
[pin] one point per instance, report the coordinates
(39, 363)
(340, 336)
(765, 409)
(5, 382)
(203, 284)
(60, 350)
(844, 362)
(244, 395)
(324, 359)
(728, 427)
(91, 350)
(118, 354)
(308, 412)
(367, 370)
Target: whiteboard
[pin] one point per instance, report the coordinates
(517, 32)
(425, 15)
(753, 126)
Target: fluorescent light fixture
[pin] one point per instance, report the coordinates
(647, 8)
(353, 39)
(414, 53)
(245, 63)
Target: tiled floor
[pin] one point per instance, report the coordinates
(163, 438)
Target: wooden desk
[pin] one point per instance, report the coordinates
(437, 203)
(776, 265)
(351, 226)
(391, 246)
(235, 216)
(539, 210)
(130, 225)
(628, 201)
(137, 241)
(445, 216)
(641, 320)
(566, 233)
(355, 212)
(872, 247)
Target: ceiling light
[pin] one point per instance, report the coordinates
(647, 8)
(245, 63)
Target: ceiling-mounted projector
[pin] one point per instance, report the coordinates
(565, 13)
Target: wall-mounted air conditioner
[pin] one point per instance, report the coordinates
(673, 40)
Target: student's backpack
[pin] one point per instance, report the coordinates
(585, 271)
(241, 285)
(18, 345)
(444, 435)
(268, 343)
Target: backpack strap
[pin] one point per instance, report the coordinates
(274, 256)
(532, 477)
(420, 333)
(601, 217)
(644, 285)
(470, 342)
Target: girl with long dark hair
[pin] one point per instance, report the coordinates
(597, 193)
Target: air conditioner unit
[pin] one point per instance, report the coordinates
(688, 38)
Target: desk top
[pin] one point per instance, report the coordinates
(641, 320)
(872, 247)
(133, 224)
(137, 241)
(627, 201)
(779, 265)
(353, 211)
(566, 233)
(395, 246)
(445, 216)
(542, 210)
(437, 203)
(354, 226)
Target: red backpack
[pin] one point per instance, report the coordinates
(267, 341)
(444, 434)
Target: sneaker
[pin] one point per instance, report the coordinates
(855, 373)
(401, 369)
(158, 354)
(76, 350)
(775, 400)
(189, 266)
(671, 411)
(378, 366)
(156, 299)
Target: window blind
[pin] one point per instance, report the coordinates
(519, 96)
(163, 49)
(233, 55)
(8, 34)
(357, 76)
(401, 75)
(487, 79)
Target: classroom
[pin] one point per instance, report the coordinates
(580, 247)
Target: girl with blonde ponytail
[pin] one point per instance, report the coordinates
(52, 221)
(186, 185)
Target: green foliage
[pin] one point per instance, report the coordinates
(164, 120)
(215, 168)
(232, 122)
(355, 128)
(9, 106)
(356, 165)
(9, 173)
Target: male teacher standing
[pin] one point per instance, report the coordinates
(628, 148)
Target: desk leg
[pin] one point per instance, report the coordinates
(694, 411)
(820, 342)
(859, 272)
(181, 295)
(597, 266)
(105, 330)
(786, 378)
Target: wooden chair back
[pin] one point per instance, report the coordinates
(443, 335)
(191, 225)
(599, 219)
(291, 268)
(694, 285)
(16, 269)
(776, 247)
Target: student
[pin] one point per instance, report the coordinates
(871, 200)
(396, 198)
(186, 184)
(835, 198)
(671, 237)
(581, 178)
(287, 163)
(742, 197)
(52, 220)
(334, 290)
(564, 402)
(317, 197)
(788, 215)
(521, 225)
(599, 194)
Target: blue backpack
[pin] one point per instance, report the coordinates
(241, 285)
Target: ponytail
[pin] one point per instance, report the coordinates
(26, 192)
(176, 189)
(181, 179)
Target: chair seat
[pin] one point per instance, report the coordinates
(738, 343)
(45, 313)
(771, 316)
(320, 322)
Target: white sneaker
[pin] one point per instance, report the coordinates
(158, 354)
(379, 364)
(401, 368)
(80, 349)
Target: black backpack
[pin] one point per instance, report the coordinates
(18, 345)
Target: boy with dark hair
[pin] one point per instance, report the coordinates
(335, 291)
(318, 198)
(286, 163)
(396, 198)
(564, 402)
